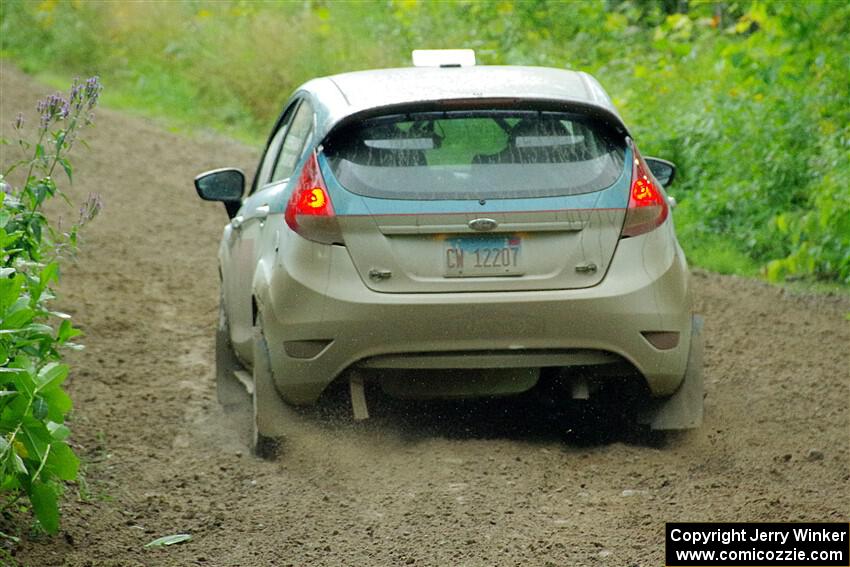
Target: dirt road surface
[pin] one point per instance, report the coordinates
(469, 484)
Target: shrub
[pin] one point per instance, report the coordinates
(34, 453)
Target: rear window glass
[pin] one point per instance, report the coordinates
(475, 155)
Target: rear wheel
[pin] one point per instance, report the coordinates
(590, 407)
(271, 413)
(606, 417)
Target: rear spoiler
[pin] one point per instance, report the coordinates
(598, 113)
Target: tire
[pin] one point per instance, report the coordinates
(229, 390)
(270, 413)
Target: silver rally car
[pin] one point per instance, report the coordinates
(453, 231)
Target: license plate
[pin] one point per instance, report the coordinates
(481, 256)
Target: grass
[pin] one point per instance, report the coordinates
(761, 157)
(716, 255)
(162, 99)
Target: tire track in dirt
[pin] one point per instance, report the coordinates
(433, 485)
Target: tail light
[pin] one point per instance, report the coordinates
(309, 211)
(647, 204)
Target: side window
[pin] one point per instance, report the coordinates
(293, 142)
(269, 159)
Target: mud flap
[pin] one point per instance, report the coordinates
(358, 397)
(684, 409)
(229, 390)
(271, 413)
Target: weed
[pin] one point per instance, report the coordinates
(35, 457)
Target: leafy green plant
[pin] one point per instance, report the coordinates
(34, 453)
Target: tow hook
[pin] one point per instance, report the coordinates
(588, 268)
(379, 275)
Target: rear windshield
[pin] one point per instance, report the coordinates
(475, 155)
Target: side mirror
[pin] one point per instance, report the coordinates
(225, 185)
(663, 170)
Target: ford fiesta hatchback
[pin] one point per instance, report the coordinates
(449, 232)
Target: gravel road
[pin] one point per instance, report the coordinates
(438, 485)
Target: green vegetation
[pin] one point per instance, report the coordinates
(749, 98)
(34, 455)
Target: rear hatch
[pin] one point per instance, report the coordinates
(478, 200)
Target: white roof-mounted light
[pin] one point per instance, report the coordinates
(443, 58)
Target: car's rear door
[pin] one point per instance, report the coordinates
(478, 200)
(277, 167)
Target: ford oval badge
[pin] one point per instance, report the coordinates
(483, 225)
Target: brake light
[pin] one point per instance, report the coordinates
(309, 211)
(647, 204)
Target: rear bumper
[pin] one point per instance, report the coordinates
(329, 302)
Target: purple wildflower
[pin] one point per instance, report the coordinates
(90, 208)
(92, 90)
(53, 107)
(77, 99)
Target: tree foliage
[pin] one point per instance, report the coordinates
(749, 98)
